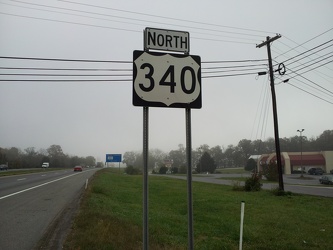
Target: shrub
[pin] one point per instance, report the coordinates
(132, 170)
(251, 165)
(174, 170)
(279, 192)
(182, 169)
(253, 183)
(270, 171)
(206, 164)
(163, 170)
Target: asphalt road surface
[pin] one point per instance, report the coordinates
(291, 183)
(30, 204)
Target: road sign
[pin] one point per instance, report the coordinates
(167, 40)
(166, 80)
(113, 158)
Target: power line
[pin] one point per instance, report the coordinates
(323, 89)
(63, 69)
(231, 70)
(122, 61)
(311, 55)
(134, 19)
(312, 63)
(235, 66)
(294, 72)
(168, 18)
(68, 22)
(61, 75)
(305, 42)
(236, 61)
(108, 27)
(310, 93)
(66, 80)
(330, 94)
(219, 40)
(320, 74)
(218, 76)
(62, 59)
(309, 50)
(317, 66)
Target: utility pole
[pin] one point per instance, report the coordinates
(300, 131)
(276, 129)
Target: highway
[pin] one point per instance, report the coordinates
(30, 204)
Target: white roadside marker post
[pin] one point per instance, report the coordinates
(241, 226)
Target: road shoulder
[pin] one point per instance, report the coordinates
(60, 227)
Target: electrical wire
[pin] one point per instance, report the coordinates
(108, 27)
(318, 73)
(68, 22)
(62, 59)
(236, 61)
(229, 75)
(63, 69)
(235, 66)
(305, 42)
(310, 50)
(66, 80)
(168, 18)
(260, 106)
(311, 55)
(130, 62)
(134, 19)
(298, 75)
(231, 70)
(309, 93)
(61, 75)
(304, 66)
(328, 93)
(317, 66)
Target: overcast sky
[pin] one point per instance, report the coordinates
(97, 117)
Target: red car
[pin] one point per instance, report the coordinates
(77, 168)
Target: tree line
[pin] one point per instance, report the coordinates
(231, 156)
(31, 158)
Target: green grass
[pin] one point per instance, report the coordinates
(231, 171)
(110, 216)
(28, 171)
(243, 179)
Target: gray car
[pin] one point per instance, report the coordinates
(326, 179)
(316, 171)
(3, 167)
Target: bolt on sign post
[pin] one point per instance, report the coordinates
(170, 80)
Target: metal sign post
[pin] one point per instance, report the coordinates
(166, 80)
(145, 178)
(189, 177)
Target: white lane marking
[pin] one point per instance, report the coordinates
(22, 179)
(43, 175)
(24, 190)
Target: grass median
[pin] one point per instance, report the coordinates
(110, 216)
(29, 171)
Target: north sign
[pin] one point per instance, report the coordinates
(167, 40)
(166, 80)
